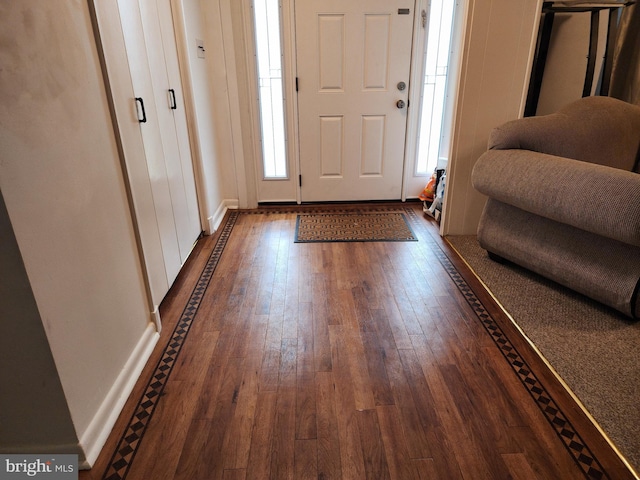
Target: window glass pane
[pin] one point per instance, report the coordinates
(434, 87)
(269, 61)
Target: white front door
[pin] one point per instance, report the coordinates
(353, 63)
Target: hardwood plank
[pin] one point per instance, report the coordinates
(329, 458)
(414, 432)
(401, 297)
(306, 422)
(305, 338)
(237, 474)
(353, 350)
(291, 299)
(395, 444)
(462, 441)
(375, 355)
(321, 343)
(375, 462)
(306, 460)
(338, 308)
(519, 467)
(474, 381)
(351, 459)
(346, 274)
(272, 350)
(262, 436)
(206, 438)
(391, 316)
(193, 363)
(283, 444)
(426, 469)
(422, 397)
(479, 431)
(288, 362)
(237, 443)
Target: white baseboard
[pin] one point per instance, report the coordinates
(216, 219)
(94, 438)
(232, 204)
(155, 318)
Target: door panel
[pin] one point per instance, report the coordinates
(191, 213)
(373, 135)
(331, 37)
(376, 51)
(160, 40)
(331, 145)
(350, 58)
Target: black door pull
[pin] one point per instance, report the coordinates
(144, 114)
(174, 105)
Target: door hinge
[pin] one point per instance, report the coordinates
(424, 19)
(300, 180)
(296, 84)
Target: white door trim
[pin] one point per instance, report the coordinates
(245, 178)
(280, 190)
(415, 91)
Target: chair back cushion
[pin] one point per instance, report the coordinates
(600, 130)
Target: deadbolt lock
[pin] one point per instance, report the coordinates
(402, 86)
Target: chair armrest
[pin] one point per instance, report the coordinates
(600, 130)
(595, 198)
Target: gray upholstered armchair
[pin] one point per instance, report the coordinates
(564, 198)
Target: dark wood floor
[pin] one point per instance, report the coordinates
(345, 360)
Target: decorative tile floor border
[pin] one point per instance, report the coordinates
(130, 441)
(576, 446)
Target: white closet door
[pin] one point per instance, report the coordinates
(180, 121)
(150, 130)
(165, 76)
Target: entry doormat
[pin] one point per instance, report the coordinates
(353, 227)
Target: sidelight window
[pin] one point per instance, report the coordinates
(432, 129)
(271, 97)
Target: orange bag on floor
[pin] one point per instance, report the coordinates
(429, 191)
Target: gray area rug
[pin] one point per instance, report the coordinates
(594, 349)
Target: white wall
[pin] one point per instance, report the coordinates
(62, 183)
(493, 81)
(206, 88)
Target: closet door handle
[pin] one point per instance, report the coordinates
(144, 113)
(172, 99)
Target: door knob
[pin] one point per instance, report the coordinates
(400, 104)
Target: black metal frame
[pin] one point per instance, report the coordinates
(549, 9)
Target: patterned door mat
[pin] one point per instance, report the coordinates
(353, 227)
